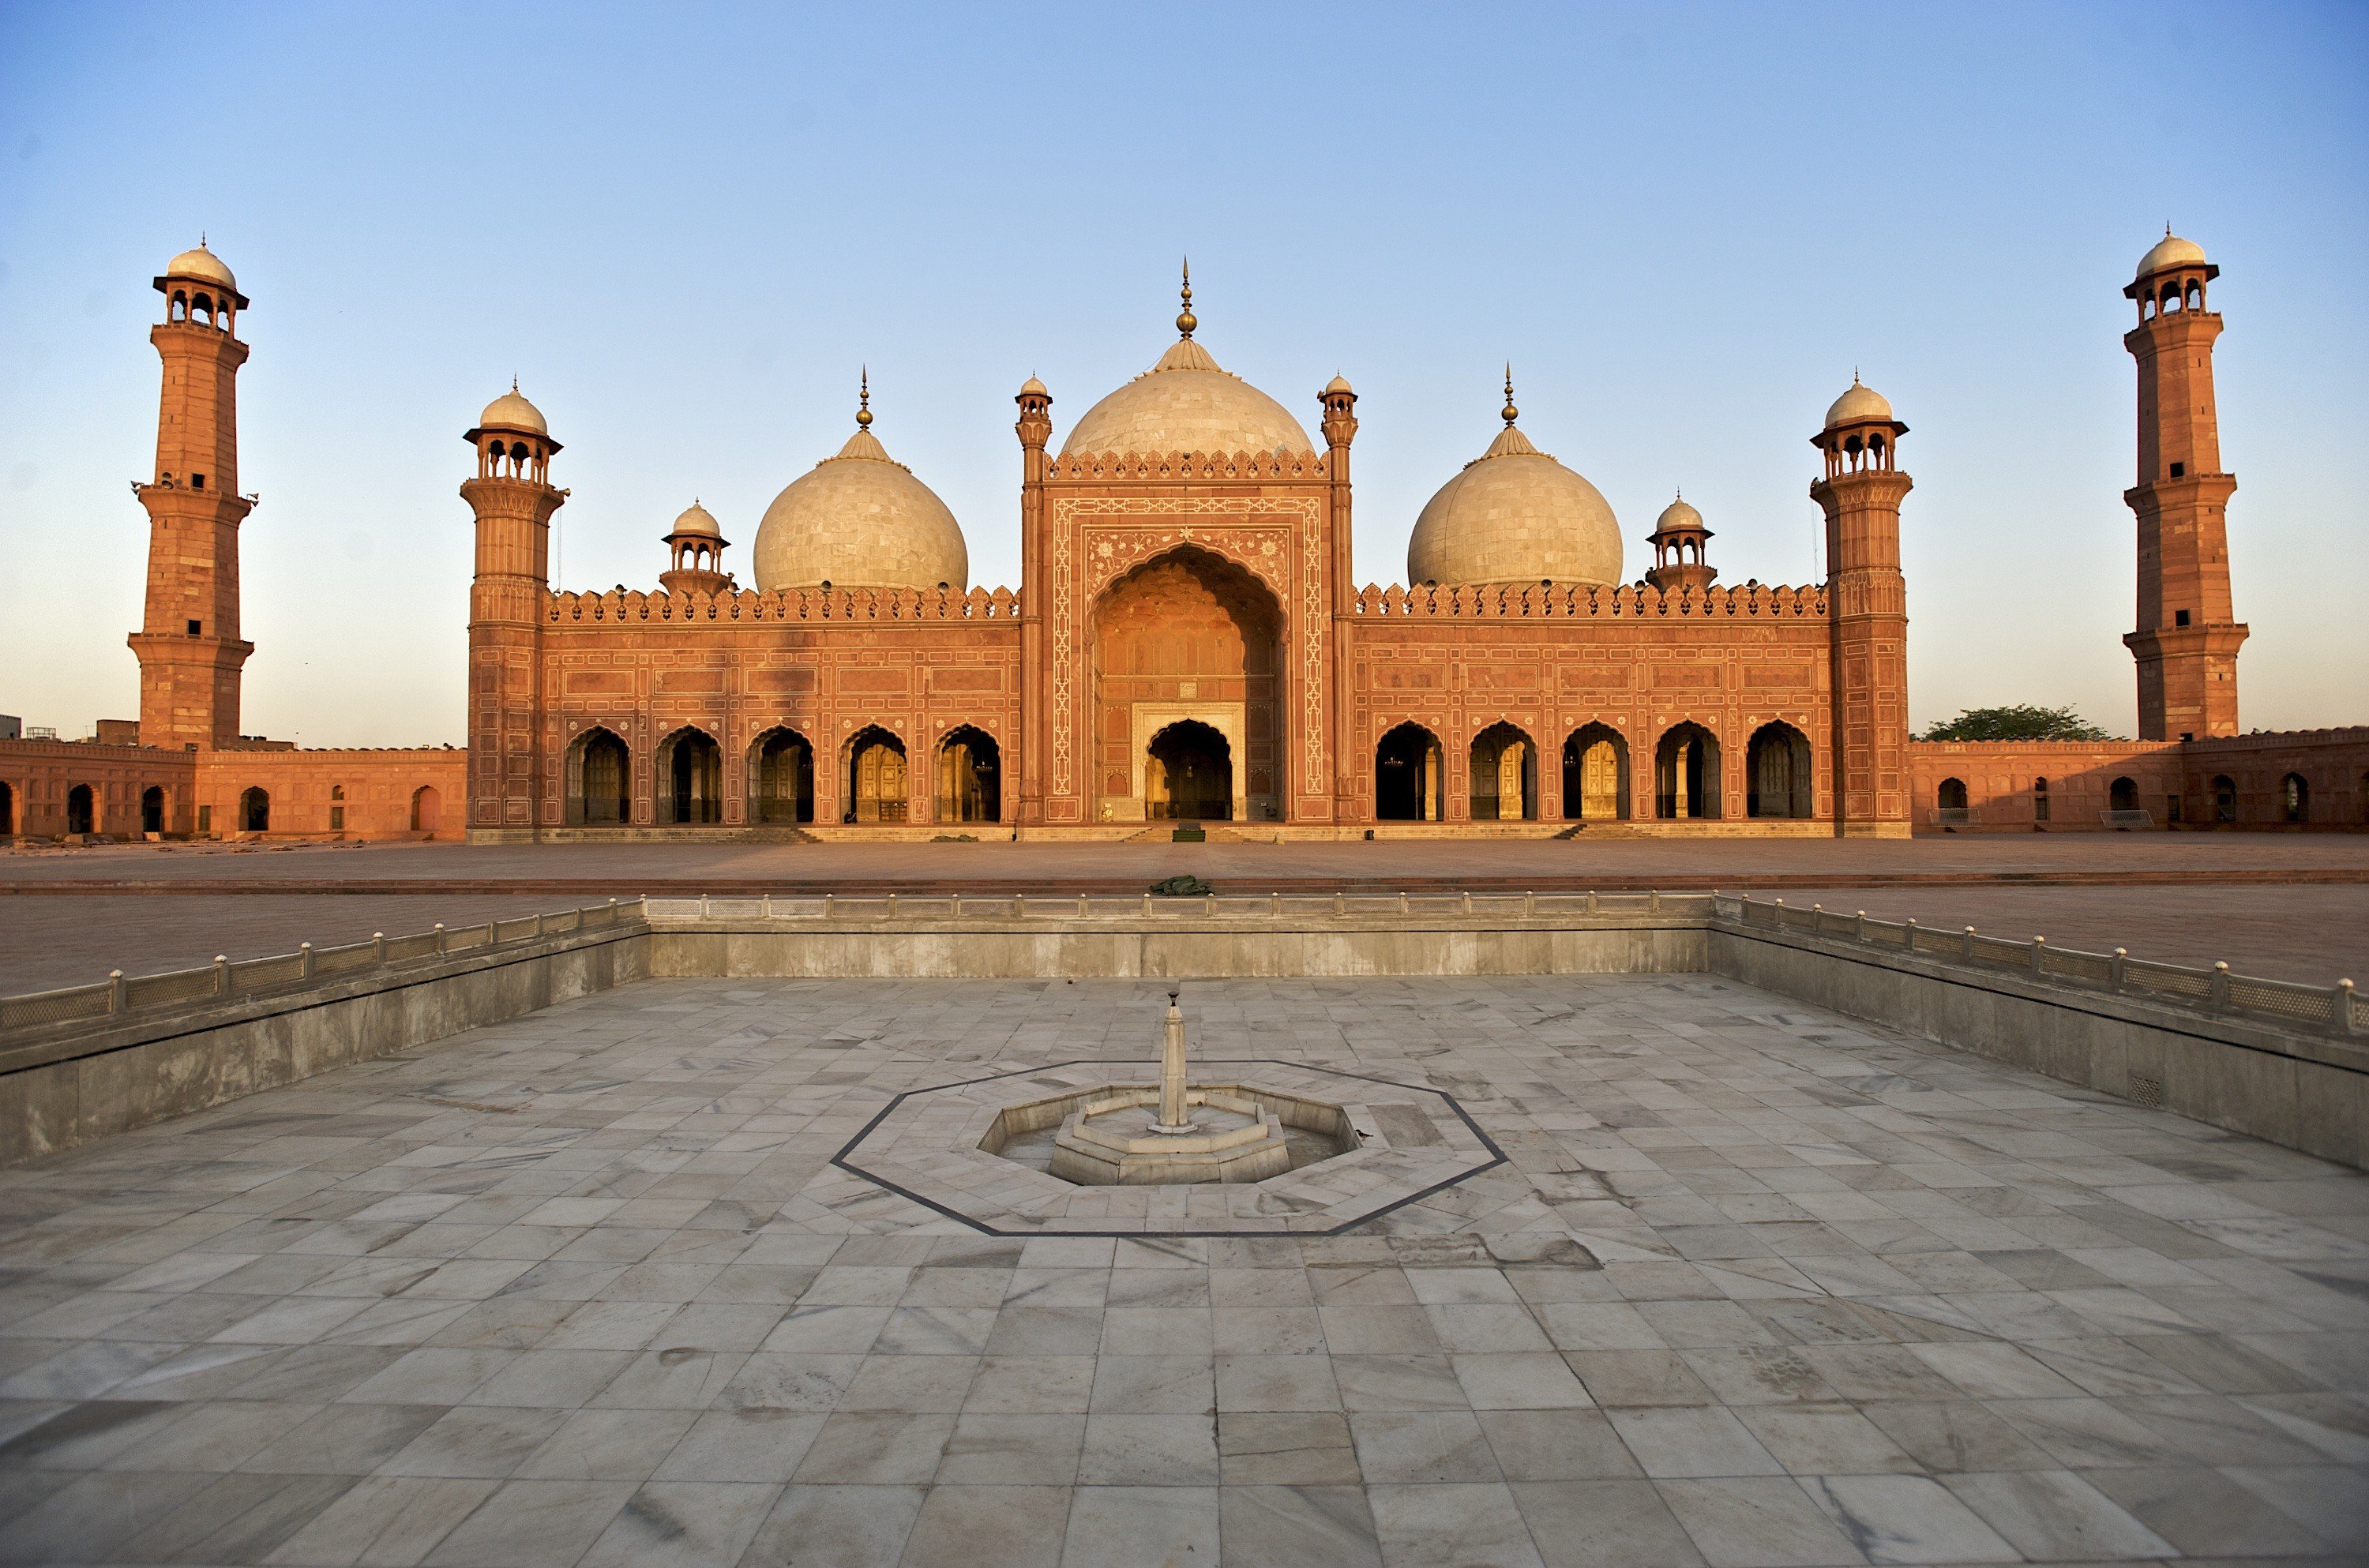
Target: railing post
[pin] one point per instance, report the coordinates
(1969, 950)
(826, 905)
(1529, 904)
(1653, 901)
(2346, 1021)
(1402, 902)
(378, 947)
(1859, 926)
(538, 926)
(1082, 906)
(222, 974)
(2040, 954)
(1591, 900)
(1020, 906)
(703, 906)
(1147, 906)
(958, 906)
(304, 960)
(1908, 936)
(440, 937)
(1275, 904)
(1339, 906)
(1468, 901)
(1818, 920)
(765, 906)
(2219, 993)
(117, 991)
(2117, 966)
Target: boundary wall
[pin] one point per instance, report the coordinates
(2283, 1063)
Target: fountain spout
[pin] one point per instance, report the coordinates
(1172, 1117)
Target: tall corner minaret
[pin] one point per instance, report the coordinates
(190, 650)
(513, 499)
(2188, 636)
(1867, 610)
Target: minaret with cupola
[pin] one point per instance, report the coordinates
(513, 498)
(697, 545)
(1867, 610)
(1677, 539)
(189, 644)
(2188, 635)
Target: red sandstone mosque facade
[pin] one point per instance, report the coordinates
(1186, 643)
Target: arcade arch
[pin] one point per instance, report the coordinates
(1505, 775)
(1776, 772)
(875, 777)
(1410, 775)
(691, 778)
(1595, 774)
(781, 778)
(600, 780)
(970, 776)
(1686, 773)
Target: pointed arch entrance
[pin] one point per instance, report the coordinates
(1505, 775)
(600, 780)
(1409, 776)
(875, 777)
(1188, 775)
(1187, 638)
(781, 778)
(970, 776)
(691, 778)
(1595, 774)
(1686, 773)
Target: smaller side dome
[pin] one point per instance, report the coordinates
(2170, 251)
(201, 265)
(512, 412)
(1032, 388)
(1858, 406)
(1338, 384)
(1676, 516)
(696, 519)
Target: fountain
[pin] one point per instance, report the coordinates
(1173, 1132)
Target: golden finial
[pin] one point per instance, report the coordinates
(1184, 321)
(864, 402)
(513, 386)
(1510, 413)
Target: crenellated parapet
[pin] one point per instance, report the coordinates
(1575, 601)
(1140, 467)
(752, 606)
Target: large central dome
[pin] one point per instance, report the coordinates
(1187, 403)
(1515, 516)
(860, 520)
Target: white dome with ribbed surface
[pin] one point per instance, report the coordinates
(1515, 516)
(860, 520)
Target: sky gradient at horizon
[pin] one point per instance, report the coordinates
(684, 233)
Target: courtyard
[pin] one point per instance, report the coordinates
(1750, 1285)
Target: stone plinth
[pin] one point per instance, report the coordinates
(1115, 1141)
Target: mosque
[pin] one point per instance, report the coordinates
(1186, 645)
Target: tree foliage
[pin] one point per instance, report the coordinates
(2016, 721)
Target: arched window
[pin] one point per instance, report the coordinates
(2295, 798)
(2123, 795)
(2040, 800)
(81, 810)
(1505, 779)
(600, 780)
(180, 308)
(875, 777)
(1686, 773)
(1595, 774)
(1409, 776)
(1188, 775)
(2224, 798)
(691, 778)
(781, 778)
(427, 809)
(151, 809)
(1952, 796)
(254, 811)
(970, 776)
(1776, 772)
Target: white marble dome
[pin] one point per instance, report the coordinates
(860, 520)
(201, 265)
(512, 412)
(1515, 516)
(1187, 403)
(2170, 251)
(1857, 405)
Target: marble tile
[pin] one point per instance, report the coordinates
(1905, 1518)
(997, 1449)
(1603, 1523)
(1149, 1450)
(837, 1527)
(1113, 1525)
(1555, 1445)
(1473, 1525)
(1289, 1449)
(1757, 1522)
(1692, 1442)
(530, 1524)
(1308, 1526)
(1022, 1526)
(2055, 1516)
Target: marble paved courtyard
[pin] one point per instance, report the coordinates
(1751, 1285)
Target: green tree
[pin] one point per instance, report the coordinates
(2016, 721)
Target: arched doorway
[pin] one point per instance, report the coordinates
(8, 811)
(1776, 772)
(1952, 796)
(875, 777)
(970, 776)
(1686, 773)
(781, 778)
(80, 814)
(1410, 775)
(1595, 774)
(2123, 795)
(691, 778)
(600, 780)
(2295, 798)
(1188, 775)
(1187, 636)
(427, 809)
(255, 812)
(1505, 775)
(151, 809)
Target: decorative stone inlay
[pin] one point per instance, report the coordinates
(928, 1146)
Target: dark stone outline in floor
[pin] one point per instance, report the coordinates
(1496, 1156)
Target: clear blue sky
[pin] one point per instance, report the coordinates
(683, 229)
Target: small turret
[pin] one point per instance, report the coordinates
(698, 544)
(1677, 539)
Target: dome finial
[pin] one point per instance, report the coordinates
(863, 401)
(1510, 413)
(513, 383)
(1184, 321)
